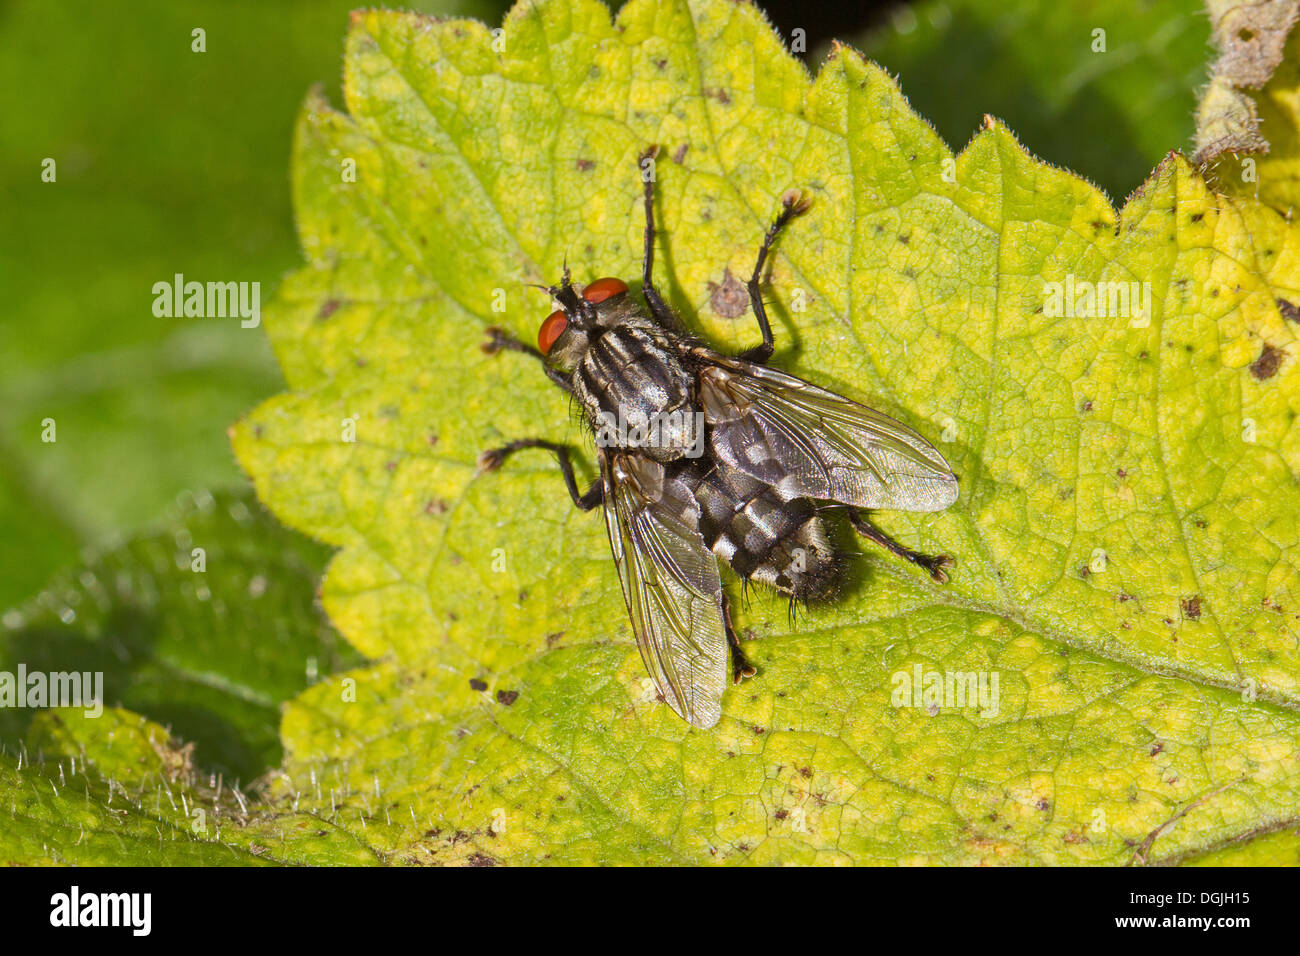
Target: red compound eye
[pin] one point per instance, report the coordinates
(603, 289)
(552, 328)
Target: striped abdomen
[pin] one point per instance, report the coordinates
(763, 538)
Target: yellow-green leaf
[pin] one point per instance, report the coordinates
(1126, 535)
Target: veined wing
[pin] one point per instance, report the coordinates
(808, 442)
(670, 582)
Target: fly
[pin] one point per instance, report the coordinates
(708, 458)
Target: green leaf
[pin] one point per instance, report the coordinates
(68, 813)
(1125, 535)
(207, 627)
(116, 789)
(213, 655)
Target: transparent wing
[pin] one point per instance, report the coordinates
(671, 585)
(807, 442)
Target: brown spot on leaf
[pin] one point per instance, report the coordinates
(1290, 311)
(1192, 608)
(481, 859)
(328, 308)
(478, 684)
(586, 165)
(1267, 364)
(507, 697)
(679, 154)
(728, 299)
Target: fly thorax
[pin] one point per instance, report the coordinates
(638, 396)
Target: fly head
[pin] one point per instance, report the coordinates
(567, 333)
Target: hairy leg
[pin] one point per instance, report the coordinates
(494, 458)
(499, 339)
(934, 564)
(793, 205)
(740, 665)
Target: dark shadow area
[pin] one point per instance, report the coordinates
(823, 22)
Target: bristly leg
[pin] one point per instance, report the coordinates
(494, 458)
(662, 313)
(934, 564)
(499, 339)
(793, 205)
(740, 665)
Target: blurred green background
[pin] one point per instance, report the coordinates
(174, 161)
(1102, 87)
(167, 161)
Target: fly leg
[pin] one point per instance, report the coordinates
(498, 339)
(740, 665)
(792, 205)
(493, 458)
(934, 564)
(658, 307)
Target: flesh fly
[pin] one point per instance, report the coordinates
(708, 458)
